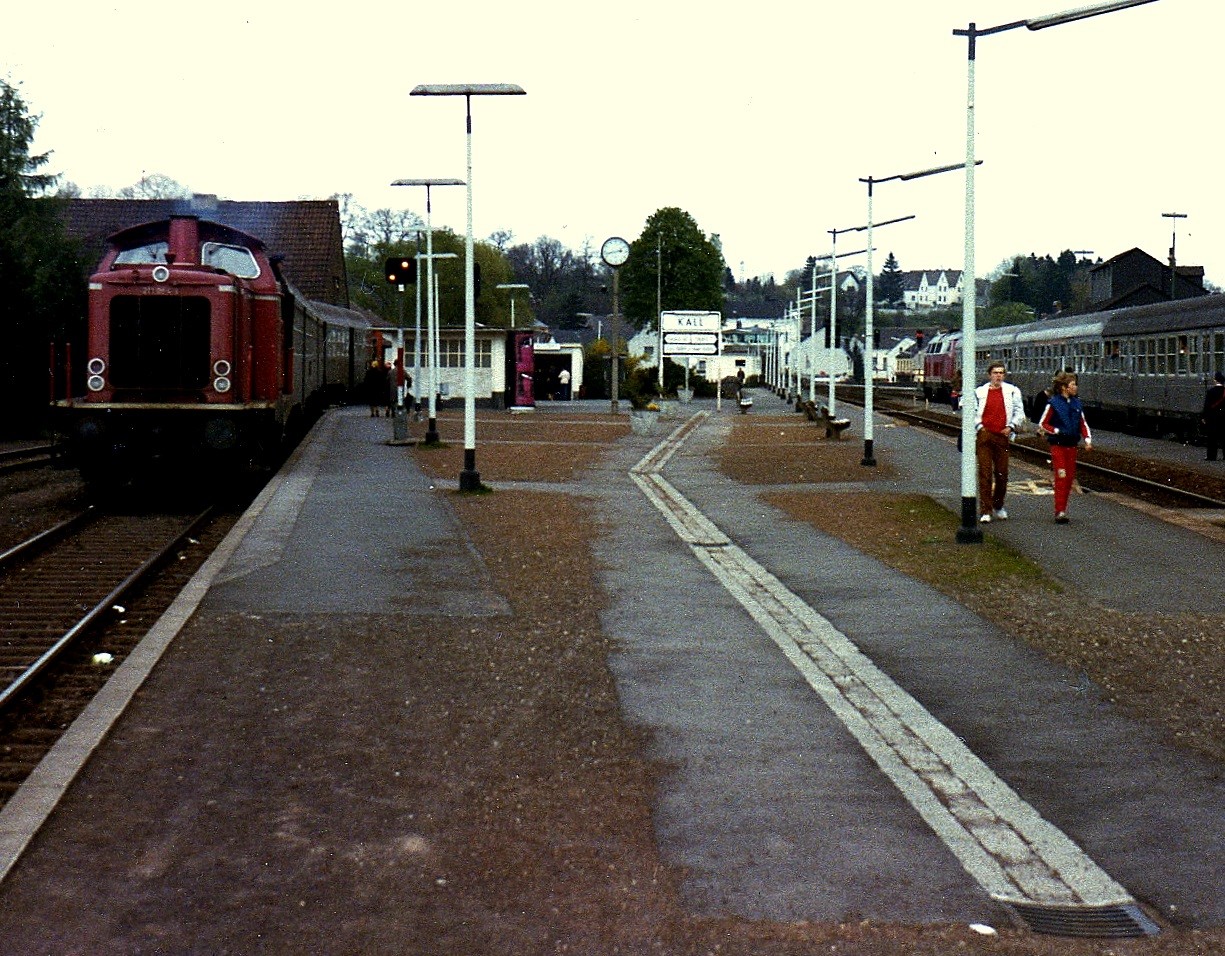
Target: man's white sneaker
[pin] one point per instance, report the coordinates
(1001, 514)
(984, 519)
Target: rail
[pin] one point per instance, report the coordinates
(95, 614)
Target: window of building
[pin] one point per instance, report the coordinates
(451, 353)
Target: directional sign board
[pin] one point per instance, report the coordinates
(691, 333)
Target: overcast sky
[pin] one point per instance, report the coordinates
(758, 119)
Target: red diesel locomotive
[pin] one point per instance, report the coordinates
(200, 351)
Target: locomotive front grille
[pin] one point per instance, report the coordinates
(159, 342)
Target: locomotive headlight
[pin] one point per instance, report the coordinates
(96, 383)
(96, 366)
(160, 273)
(221, 367)
(221, 383)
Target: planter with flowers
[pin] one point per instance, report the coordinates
(644, 420)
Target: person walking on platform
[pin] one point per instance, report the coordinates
(1213, 418)
(998, 416)
(375, 387)
(1065, 426)
(563, 385)
(392, 387)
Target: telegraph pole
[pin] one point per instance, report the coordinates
(1173, 242)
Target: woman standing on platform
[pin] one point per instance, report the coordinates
(1064, 424)
(375, 387)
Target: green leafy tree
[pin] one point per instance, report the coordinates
(1043, 284)
(42, 288)
(369, 289)
(687, 265)
(562, 283)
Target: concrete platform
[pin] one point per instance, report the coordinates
(773, 805)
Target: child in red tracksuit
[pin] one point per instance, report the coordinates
(1064, 423)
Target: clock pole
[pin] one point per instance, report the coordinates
(615, 251)
(616, 348)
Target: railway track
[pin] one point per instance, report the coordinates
(74, 601)
(32, 456)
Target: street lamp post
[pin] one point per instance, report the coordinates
(417, 337)
(812, 332)
(431, 433)
(512, 286)
(834, 256)
(469, 477)
(433, 324)
(869, 361)
(659, 296)
(969, 532)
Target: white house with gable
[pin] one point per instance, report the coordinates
(932, 289)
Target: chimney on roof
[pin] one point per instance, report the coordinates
(204, 202)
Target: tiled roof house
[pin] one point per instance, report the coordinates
(305, 232)
(1136, 278)
(931, 289)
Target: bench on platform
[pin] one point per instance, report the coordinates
(834, 427)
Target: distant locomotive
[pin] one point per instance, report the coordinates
(199, 350)
(1141, 367)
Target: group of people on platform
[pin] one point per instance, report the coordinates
(1000, 416)
(382, 388)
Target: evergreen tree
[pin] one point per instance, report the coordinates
(891, 284)
(42, 289)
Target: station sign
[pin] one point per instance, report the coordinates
(691, 333)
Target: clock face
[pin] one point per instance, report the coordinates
(615, 251)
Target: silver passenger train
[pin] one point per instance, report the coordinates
(1143, 367)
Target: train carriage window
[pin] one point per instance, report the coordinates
(236, 260)
(151, 253)
(1112, 361)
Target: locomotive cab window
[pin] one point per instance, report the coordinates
(236, 260)
(151, 253)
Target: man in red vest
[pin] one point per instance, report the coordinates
(998, 417)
